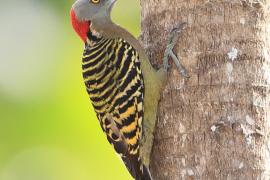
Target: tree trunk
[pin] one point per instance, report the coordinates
(214, 125)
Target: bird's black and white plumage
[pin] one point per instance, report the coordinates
(122, 85)
(114, 82)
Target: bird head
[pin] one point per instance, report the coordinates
(85, 12)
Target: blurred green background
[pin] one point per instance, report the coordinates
(48, 130)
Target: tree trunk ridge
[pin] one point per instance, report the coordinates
(214, 125)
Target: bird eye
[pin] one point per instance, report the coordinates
(95, 1)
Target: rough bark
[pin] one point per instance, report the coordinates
(214, 125)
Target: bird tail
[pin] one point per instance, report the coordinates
(135, 167)
(146, 174)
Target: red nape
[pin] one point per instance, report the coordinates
(80, 27)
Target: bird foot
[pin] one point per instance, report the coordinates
(172, 40)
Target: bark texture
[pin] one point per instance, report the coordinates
(214, 125)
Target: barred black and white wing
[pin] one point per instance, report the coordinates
(114, 81)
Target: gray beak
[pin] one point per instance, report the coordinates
(109, 4)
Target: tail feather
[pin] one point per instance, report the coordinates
(135, 167)
(146, 174)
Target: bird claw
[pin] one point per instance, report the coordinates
(179, 27)
(172, 40)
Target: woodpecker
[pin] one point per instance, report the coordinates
(122, 85)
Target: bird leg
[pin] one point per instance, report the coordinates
(172, 40)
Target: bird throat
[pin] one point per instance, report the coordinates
(93, 37)
(80, 27)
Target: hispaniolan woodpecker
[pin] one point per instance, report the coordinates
(122, 85)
